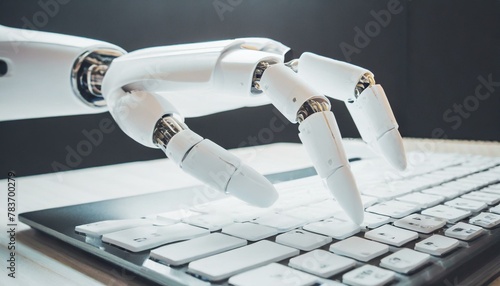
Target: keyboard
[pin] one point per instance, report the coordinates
(420, 225)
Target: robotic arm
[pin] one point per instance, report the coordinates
(149, 91)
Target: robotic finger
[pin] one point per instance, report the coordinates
(366, 101)
(152, 120)
(319, 133)
(70, 75)
(149, 91)
(155, 121)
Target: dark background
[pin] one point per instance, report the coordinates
(428, 58)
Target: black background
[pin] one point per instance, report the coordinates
(428, 58)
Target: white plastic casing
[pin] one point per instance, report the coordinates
(38, 81)
(198, 79)
(137, 113)
(180, 144)
(210, 163)
(221, 170)
(370, 111)
(286, 90)
(333, 78)
(321, 138)
(377, 125)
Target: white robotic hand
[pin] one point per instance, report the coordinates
(64, 75)
(208, 75)
(149, 91)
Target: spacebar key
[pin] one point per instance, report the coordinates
(227, 264)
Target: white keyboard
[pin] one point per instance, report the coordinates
(412, 220)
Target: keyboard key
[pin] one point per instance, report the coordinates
(336, 227)
(176, 215)
(147, 237)
(368, 275)
(423, 182)
(222, 205)
(240, 212)
(465, 204)
(448, 213)
(227, 264)
(280, 222)
(329, 204)
(446, 174)
(212, 222)
(371, 220)
(287, 201)
(310, 214)
(385, 191)
(302, 239)
(436, 178)
(420, 223)
(489, 198)
(395, 209)
(448, 193)
(99, 228)
(249, 231)
(368, 201)
(374, 220)
(423, 200)
(462, 186)
(485, 219)
(488, 220)
(496, 186)
(437, 245)
(481, 179)
(359, 248)
(493, 189)
(495, 209)
(405, 260)
(273, 274)
(322, 263)
(464, 231)
(458, 171)
(330, 283)
(196, 248)
(391, 235)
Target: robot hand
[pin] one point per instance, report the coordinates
(289, 86)
(148, 90)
